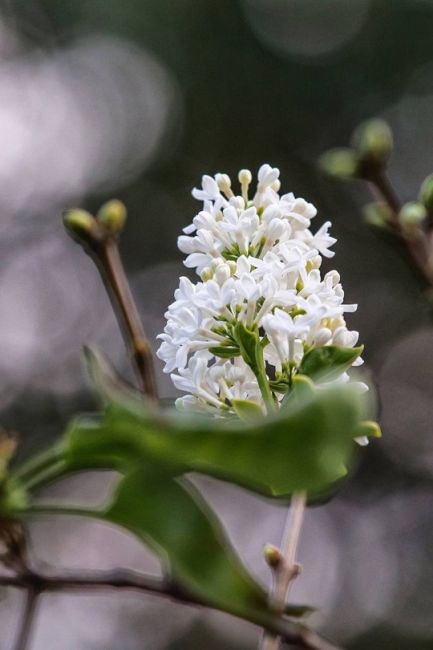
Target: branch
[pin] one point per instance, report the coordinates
(109, 263)
(99, 239)
(286, 570)
(419, 244)
(28, 618)
(36, 583)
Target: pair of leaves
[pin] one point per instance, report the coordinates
(303, 447)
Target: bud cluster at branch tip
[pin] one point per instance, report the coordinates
(371, 148)
(86, 228)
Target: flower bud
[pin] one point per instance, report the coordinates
(222, 273)
(79, 223)
(426, 193)
(341, 164)
(373, 142)
(113, 216)
(378, 214)
(223, 181)
(272, 555)
(322, 337)
(245, 177)
(411, 217)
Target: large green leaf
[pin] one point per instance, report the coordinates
(301, 448)
(172, 518)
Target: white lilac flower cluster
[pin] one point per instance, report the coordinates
(259, 265)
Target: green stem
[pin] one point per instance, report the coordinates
(260, 373)
(38, 464)
(47, 474)
(69, 511)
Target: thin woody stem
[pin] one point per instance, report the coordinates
(419, 245)
(288, 570)
(35, 584)
(289, 549)
(28, 618)
(109, 263)
(383, 185)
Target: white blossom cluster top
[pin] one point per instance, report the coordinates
(259, 266)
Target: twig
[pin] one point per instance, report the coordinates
(99, 239)
(419, 245)
(34, 583)
(28, 618)
(108, 260)
(288, 570)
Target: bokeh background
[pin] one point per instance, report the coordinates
(137, 99)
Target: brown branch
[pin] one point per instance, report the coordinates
(99, 239)
(35, 584)
(107, 258)
(27, 619)
(419, 244)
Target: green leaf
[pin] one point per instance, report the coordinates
(103, 376)
(248, 343)
(174, 520)
(225, 351)
(301, 389)
(300, 448)
(247, 411)
(328, 362)
(369, 428)
(279, 386)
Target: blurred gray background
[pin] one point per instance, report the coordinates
(137, 99)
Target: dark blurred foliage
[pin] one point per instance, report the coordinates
(138, 99)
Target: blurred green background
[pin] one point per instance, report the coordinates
(137, 99)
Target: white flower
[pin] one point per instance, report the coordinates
(213, 388)
(259, 264)
(283, 330)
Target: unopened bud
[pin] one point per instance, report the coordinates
(79, 223)
(112, 215)
(411, 217)
(272, 556)
(373, 142)
(339, 163)
(245, 177)
(378, 214)
(223, 181)
(426, 193)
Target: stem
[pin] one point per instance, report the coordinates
(290, 543)
(288, 570)
(47, 475)
(130, 580)
(28, 618)
(109, 263)
(38, 464)
(262, 380)
(383, 185)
